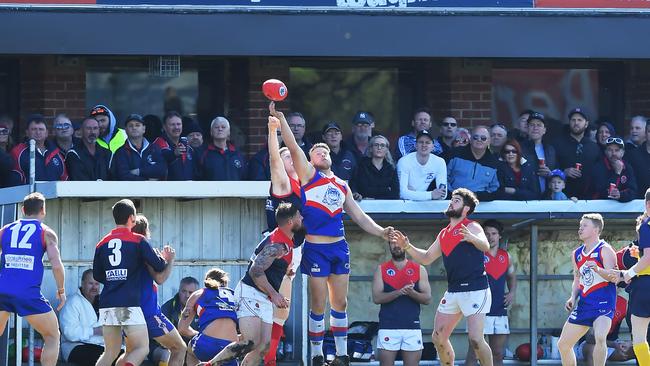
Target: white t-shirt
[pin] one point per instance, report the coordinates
(414, 178)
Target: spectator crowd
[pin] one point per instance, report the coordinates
(586, 161)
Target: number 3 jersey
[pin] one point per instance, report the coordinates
(118, 265)
(21, 267)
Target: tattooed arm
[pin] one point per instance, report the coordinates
(188, 315)
(260, 264)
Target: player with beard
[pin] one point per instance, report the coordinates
(326, 256)
(400, 286)
(258, 291)
(461, 245)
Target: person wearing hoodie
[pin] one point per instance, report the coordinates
(110, 136)
(49, 164)
(474, 167)
(137, 159)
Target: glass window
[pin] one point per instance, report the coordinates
(127, 91)
(325, 94)
(553, 92)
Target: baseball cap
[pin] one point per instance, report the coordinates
(134, 117)
(362, 117)
(558, 173)
(192, 127)
(99, 110)
(615, 141)
(423, 133)
(331, 125)
(537, 116)
(580, 111)
(35, 117)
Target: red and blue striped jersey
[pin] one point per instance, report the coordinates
(322, 205)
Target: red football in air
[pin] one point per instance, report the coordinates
(275, 90)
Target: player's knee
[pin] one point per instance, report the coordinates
(497, 354)
(474, 342)
(52, 336)
(563, 345)
(601, 339)
(437, 337)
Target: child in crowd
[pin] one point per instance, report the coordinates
(556, 187)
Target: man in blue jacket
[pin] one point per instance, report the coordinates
(137, 159)
(178, 154)
(474, 168)
(220, 160)
(49, 163)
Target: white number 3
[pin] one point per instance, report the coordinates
(116, 258)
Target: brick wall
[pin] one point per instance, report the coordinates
(261, 69)
(471, 92)
(51, 85)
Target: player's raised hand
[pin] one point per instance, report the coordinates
(275, 113)
(168, 253)
(274, 123)
(400, 239)
(468, 235)
(386, 233)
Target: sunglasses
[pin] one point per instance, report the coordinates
(509, 151)
(479, 138)
(449, 124)
(62, 126)
(4, 131)
(614, 140)
(379, 145)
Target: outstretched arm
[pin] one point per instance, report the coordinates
(364, 221)
(280, 184)
(303, 168)
(421, 256)
(52, 248)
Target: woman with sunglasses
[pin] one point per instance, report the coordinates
(376, 176)
(516, 175)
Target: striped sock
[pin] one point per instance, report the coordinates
(316, 333)
(339, 327)
(642, 353)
